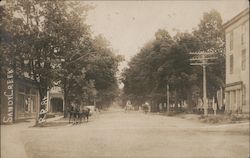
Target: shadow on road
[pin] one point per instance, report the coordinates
(51, 124)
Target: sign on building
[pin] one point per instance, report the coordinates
(7, 97)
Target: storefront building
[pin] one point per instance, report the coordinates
(19, 98)
(237, 63)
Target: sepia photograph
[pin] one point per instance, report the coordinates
(124, 79)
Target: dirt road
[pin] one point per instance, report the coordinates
(117, 134)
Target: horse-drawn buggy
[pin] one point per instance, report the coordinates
(78, 113)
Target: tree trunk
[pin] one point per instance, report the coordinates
(168, 99)
(175, 100)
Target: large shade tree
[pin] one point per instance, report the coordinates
(102, 70)
(54, 46)
(165, 61)
(211, 36)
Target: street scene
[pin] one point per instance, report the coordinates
(124, 79)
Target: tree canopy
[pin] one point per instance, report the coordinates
(53, 45)
(165, 61)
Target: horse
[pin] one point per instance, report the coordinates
(74, 113)
(84, 114)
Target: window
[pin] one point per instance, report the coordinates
(244, 95)
(243, 34)
(21, 90)
(231, 40)
(33, 92)
(243, 59)
(235, 96)
(231, 63)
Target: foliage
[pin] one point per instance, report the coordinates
(103, 66)
(211, 36)
(52, 43)
(165, 61)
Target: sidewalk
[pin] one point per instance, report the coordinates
(12, 145)
(54, 118)
(219, 123)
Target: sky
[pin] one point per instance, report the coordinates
(128, 25)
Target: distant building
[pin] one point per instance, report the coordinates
(237, 63)
(55, 100)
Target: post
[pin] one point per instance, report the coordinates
(214, 106)
(14, 91)
(203, 59)
(167, 98)
(205, 106)
(37, 109)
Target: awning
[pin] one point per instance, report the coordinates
(233, 86)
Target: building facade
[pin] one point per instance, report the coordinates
(19, 98)
(237, 63)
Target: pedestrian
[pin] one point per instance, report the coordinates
(71, 111)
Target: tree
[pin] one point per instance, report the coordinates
(165, 61)
(102, 69)
(2, 56)
(72, 44)
(54, 41)
(211, 36)
(23, 29)
(141, 79)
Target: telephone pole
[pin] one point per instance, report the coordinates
(203, 58)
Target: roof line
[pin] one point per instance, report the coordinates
(236, 18)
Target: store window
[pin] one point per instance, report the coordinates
(30, 104)
(21, 102)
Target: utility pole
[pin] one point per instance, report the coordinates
(203, 58)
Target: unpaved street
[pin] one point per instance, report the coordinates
(117, 134)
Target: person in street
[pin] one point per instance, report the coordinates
(128, 106)
(76, 114)
(71, 111)
(146, 107)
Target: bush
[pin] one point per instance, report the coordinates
(223, 118)
(211, 119)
